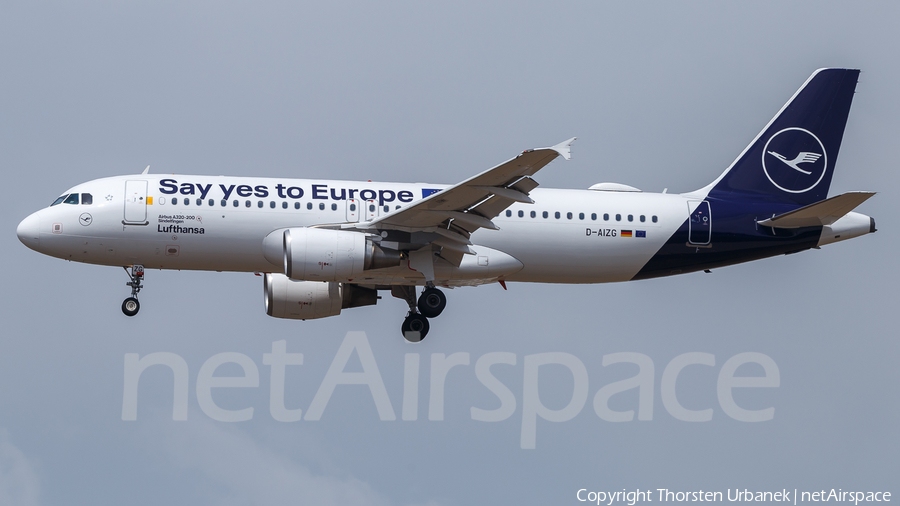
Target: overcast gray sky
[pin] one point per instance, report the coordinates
(660, 95)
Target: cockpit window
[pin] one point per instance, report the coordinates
(71, 199)
(59, 200)
(87, 199)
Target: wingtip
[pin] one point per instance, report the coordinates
(565, 148)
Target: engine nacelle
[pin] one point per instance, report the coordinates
(307, 300)
(316, 254)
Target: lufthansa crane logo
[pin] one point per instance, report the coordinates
(794, 160)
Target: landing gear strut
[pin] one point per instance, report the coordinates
(429, 305)
(131, 306)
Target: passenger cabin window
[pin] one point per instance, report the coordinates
(235, 203)
(653, 219)
(508, 213)
(580, 216)
(594, 216)
(259, 204)
(605, 216)
(284, 205)
(246, 203)
(643, 218)
(187, 201)
(59, 200)
(296, 205)
(521, 214)
(569, 216)
(533, 214)
(87, 199)
(71, 199)
(224, 202)
(545, 214)
(556, 214)
(618, 217)
(630, 217)
(309, 205)
(212, 202)
(199, 202)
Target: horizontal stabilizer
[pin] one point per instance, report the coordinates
(819, 214)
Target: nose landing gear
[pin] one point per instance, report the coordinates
(131, 306)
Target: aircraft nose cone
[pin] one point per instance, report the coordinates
(29, 231)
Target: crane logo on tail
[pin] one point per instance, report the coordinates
(803, 157)
(801, 160)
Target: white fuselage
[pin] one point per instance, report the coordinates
(196, 227)
(221, 224)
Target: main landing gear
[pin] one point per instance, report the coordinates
(415, 327)
(432, 302)
(429, 305)
(131, 306)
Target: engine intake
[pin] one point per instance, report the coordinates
(307, 300)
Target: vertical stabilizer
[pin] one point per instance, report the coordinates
(792, 159)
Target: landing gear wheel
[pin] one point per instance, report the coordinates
(131, 306)
(415, 327)
(432, 302)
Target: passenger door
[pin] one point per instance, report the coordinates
(700, 224)
(136, 203)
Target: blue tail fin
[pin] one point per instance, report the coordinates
(792, 159)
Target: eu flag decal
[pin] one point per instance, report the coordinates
(640, 233)
(625, 233)
(429, 191)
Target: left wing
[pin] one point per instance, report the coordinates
(439, 226)
(451, 215)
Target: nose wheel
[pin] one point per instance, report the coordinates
(131, 306)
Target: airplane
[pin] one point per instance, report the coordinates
(327, 245)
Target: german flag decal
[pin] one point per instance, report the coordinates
(625, 233)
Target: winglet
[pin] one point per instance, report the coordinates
(564, 148)
(146, 170)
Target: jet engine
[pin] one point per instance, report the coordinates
(317, 254)
(306, 300)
